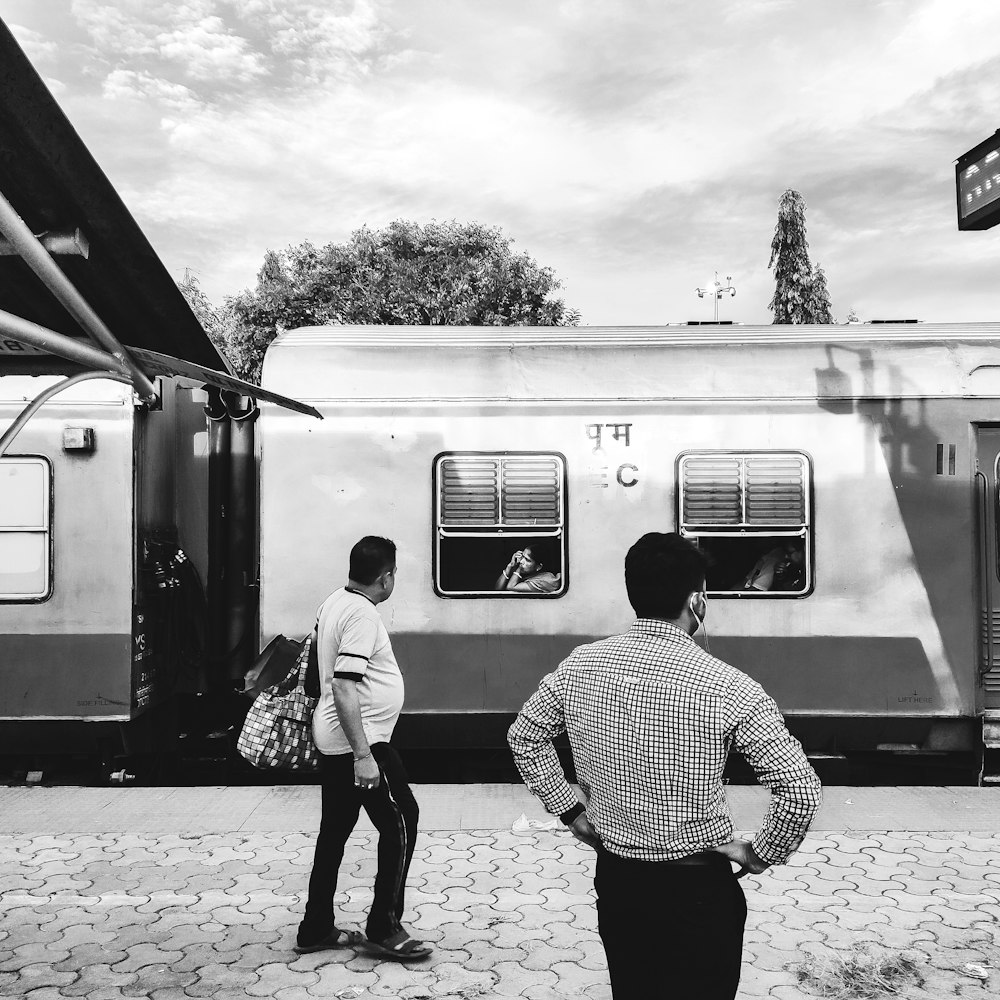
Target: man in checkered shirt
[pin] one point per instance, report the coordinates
(651, 719)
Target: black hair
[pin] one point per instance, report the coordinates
(370, 558)
(544, 551)
(661, 570)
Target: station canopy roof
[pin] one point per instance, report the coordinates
(51, 181)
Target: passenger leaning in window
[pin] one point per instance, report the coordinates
(533, 569)
(361, 696)
(651, 718)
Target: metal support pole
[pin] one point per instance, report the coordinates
(59, 344)
(37, 258)
(219, 569)
(63, 243)
(241, 519)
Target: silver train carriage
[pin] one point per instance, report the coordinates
(127, 543)
(842, 479)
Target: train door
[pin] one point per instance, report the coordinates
(988, 494)
(988, 497)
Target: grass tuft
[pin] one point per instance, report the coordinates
(863, 972)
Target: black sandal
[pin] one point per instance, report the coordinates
(400, 947)
(335, 939)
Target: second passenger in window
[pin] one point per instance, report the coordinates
(782, 568)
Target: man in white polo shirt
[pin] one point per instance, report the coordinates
(361, 696)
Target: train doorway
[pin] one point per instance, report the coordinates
(987, 480)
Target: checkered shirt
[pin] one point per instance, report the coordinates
(651, 718)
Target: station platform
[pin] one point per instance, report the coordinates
(295, 808)
(174, 893)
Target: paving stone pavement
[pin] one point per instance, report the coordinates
(178, 916)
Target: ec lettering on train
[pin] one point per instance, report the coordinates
(615, 434)
(626, 475)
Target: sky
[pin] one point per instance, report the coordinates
(637, 148)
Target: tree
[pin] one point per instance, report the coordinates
(818, 299)
(206, 314)
(439, 273)
(800, 292)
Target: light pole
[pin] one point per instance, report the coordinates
(717, 290)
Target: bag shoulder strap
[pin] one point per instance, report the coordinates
(293, 678)
(309, 671)
(305, 656)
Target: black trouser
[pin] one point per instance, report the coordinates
(393, 811)
(670, 931)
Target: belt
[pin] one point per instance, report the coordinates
(701, 858)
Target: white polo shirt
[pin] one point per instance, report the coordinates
(354, 643)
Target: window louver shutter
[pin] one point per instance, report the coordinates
(531, 491)
(470, 492)
(775, 490)
(712, 486)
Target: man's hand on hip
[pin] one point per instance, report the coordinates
(742, 853)
(582, 829)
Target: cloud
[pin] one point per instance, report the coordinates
(230, 49)
(591, 60)
(36, 47)
(124, 84)
(320, 41)
(124, 28)
(205, 50)
(739, 13)
(186, 42)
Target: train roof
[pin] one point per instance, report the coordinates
(483, 364)
(55, 185)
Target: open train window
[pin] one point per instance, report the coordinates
(751, 514)
(25, 535)
(497, 513)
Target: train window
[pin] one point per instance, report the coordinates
(500, 524)
(25, 536)
(751, 513)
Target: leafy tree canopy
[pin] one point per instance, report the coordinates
(800, 291)
(445, 273)
(818, 298)
(212, 322)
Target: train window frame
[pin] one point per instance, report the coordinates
(492, 533)
(726, 531)
(39, 528)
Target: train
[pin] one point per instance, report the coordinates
(843, 480)
(861, 460)
(126, 570)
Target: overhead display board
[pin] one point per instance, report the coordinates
(977, 185)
